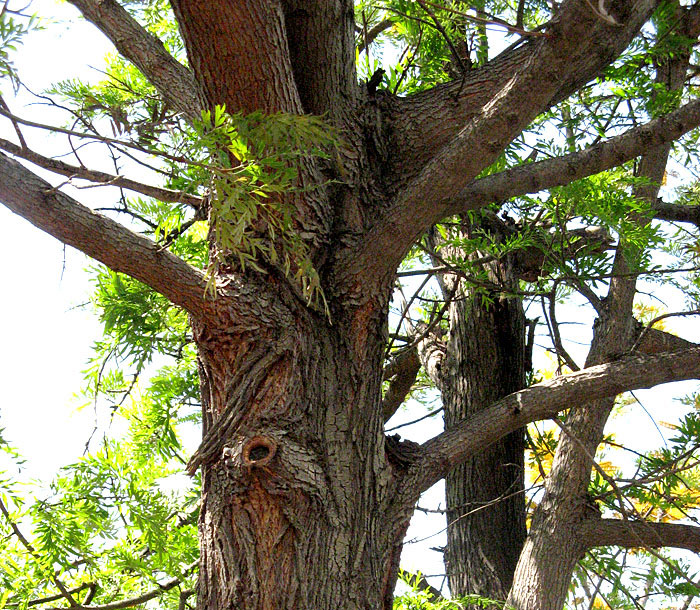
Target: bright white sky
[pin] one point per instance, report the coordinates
(46, 342)
(46, 339)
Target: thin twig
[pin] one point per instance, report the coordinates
(438, 26)
(415, 421)
(492, 21)
(15, 124)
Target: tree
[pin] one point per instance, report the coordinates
(305, 501)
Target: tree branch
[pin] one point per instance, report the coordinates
(542, 401)
(171, 79)
(373, 32)
(675, 212)
(634, 534)
(100, 237)
(134, 601)
(532, 178)
(427, 122)
(402, 371)
(74, 171)
(535, 177)
(529, 88)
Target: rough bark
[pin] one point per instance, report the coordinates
(298, 491)
(305, 502)
(484, 361)
(485, 502)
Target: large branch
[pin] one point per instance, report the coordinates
(100, 237)
(402, 228)
(635, 534)
(529, 89)
(541, 401)
(676, 212)
(170, 78)
(422, 124)
(535, 177)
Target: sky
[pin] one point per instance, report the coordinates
(48, 330)
(47, 336)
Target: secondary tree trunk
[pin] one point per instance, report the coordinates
(484, 361)
(485, 503)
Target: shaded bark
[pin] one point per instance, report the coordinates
(485, 501)
(484, 361)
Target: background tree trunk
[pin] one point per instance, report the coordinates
(485, 360)
(485, 500)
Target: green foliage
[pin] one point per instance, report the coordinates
(14, 26)
(253, 166)
(422, 599)
(125, 98)
(107, 521)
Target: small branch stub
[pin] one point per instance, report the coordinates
(259, 451)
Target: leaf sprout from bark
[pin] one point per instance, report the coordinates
(254, 166)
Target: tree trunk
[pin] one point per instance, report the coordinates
(296, 510)
(485, 361)
(485, 502)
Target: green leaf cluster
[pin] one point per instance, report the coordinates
(253, 164)
(14, 26)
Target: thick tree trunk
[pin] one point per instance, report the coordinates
(296, 485)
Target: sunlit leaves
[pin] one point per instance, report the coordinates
(419, 598)
(14, 26)
(253, 163)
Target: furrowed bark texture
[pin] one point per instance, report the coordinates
(305, 502)
(485, 499)
(296, 483)
(296, 496)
